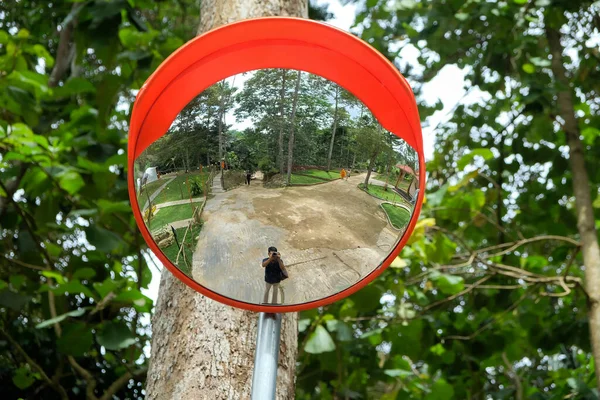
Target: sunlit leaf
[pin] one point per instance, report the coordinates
(529, 68)
(319, 341)
(115, 336)
(71, 181)
(75, 313)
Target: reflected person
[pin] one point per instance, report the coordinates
(274, 272)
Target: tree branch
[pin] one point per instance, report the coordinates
(514, 377)
(120, 382)
(461, 293)
(494, 320)
(57, 387)
(87, 376)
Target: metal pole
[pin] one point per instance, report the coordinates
(264, 376)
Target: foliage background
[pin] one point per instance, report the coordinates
(488, 300)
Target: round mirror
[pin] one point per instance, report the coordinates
(276, 164)
(277, 187)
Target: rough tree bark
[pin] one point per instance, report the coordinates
(221, 112)
(281, 121)
(371, 163)
(291, 139)
(202, 349)
(581, 187)
(335, 117)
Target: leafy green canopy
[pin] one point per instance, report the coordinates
(487, 300)
(73, 319)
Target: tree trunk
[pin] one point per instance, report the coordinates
(291, 139)
(371, 163)
(201, 348)
(500, 199)
(335, 115)
(282, 122)
(581, 187)
(221, 112)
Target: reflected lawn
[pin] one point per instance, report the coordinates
(189, 246)
(167, 215)
(381, 193)
(177, 189)
(399, 216)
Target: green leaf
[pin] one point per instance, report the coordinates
(540, 62)
(398, 373)
(374, 336)
(344, 332)
(105, 287)
(75, 313)
(596, 202)
(3, 285)
(71, 181)
(78, 86)
(4, 37)
(76, 339)
(41, 52)
(398, 263)
(435, 199)
(590, 134)
(90, 165)
(23, 378)
(137, 298)
(104, 240)
(444, 249)
(84, 273)
(440, 390)
(17, 281)
(461, 16)
(521, 2)
(367, 299)
(486, 154)
(449, 284)
(30, 81)
(115, 336)
(534, 263)
(74, 286)
(54, 275)
(12, 300)
(319, 341)
(109, 207)
(23, 34)
(529, 68)
(303, 324)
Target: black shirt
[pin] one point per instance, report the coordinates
(272, 271)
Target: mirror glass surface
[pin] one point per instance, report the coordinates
(277, 158)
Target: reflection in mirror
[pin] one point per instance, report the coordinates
(277, 186)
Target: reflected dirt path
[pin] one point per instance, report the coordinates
(330, 235)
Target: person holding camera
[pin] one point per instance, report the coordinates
(275, 272)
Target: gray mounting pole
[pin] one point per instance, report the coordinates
(264, 376)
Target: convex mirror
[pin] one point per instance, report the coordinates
(277, 158)
(272, 174)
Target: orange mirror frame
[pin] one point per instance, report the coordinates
(274, 42)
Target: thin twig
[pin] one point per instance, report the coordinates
(24, 264)
(461, 293)
(484, 327)
(58, 388)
